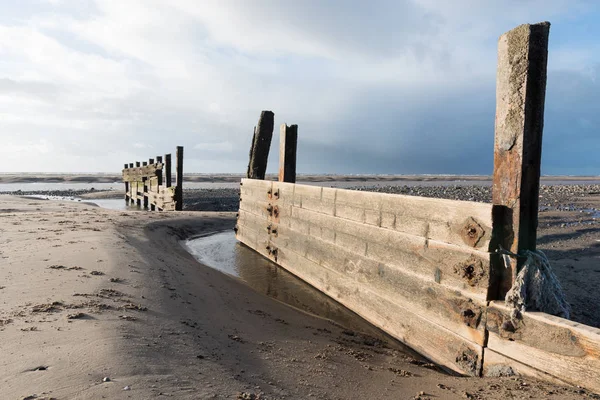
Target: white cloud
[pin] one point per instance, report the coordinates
(101, 76)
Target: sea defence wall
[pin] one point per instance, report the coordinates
(428, 271)
(416, 267)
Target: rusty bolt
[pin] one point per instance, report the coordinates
(472, 232)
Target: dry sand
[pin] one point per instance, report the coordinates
(88, 293)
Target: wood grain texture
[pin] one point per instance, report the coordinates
(460, 267)
(520, 97)
(564, 349)
(431, 340)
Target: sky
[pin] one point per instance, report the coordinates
(378, 86)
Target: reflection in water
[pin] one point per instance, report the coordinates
(114, 204)
(224, 253)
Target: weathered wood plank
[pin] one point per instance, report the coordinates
(256, 207)
(520, 95)
(431, 340)
(463, 314)
(461, 223)
(495, 365)
(435, 302)
(562, 348)
(137, 173)
(261, 143)
(460, 267)
(458, 222)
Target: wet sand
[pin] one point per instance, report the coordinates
(88, 293)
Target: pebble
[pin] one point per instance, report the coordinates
(106, 379)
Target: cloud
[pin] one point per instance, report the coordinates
(402, 86)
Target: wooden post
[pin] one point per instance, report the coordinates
(159, 173)
(251, 152)
(261, 143)
(144, 179)
(288, 142)
(126, 187)
(520, 95)
(137, 200)
(168, 169)
(179, 179)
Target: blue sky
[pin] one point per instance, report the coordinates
(403, 86)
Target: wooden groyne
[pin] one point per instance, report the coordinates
(428, 271)
(148, 183)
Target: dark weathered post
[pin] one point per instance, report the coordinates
(179, 179)
(137, 200)
(159, 173)
(168, 169)
(126, 187)
(131, 199)
(251, 152)
(147, 188)
(145, 181)
(261, 143)
(520, 95)
(288, 142)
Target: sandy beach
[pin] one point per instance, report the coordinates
(88, 293)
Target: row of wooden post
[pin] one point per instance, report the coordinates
(261, 144)
(520, 97)
(159, 175)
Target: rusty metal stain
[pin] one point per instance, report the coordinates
(471, 270)
(472, 232)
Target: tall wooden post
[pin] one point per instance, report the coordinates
(288, 142)
(520, 95)
(145, 181)
(137, 200)
(159, 173)
(126, 186)
(147, 188)
(168, 169)
(179, 179)
(261, 143)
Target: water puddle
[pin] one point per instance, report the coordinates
(223, 252)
